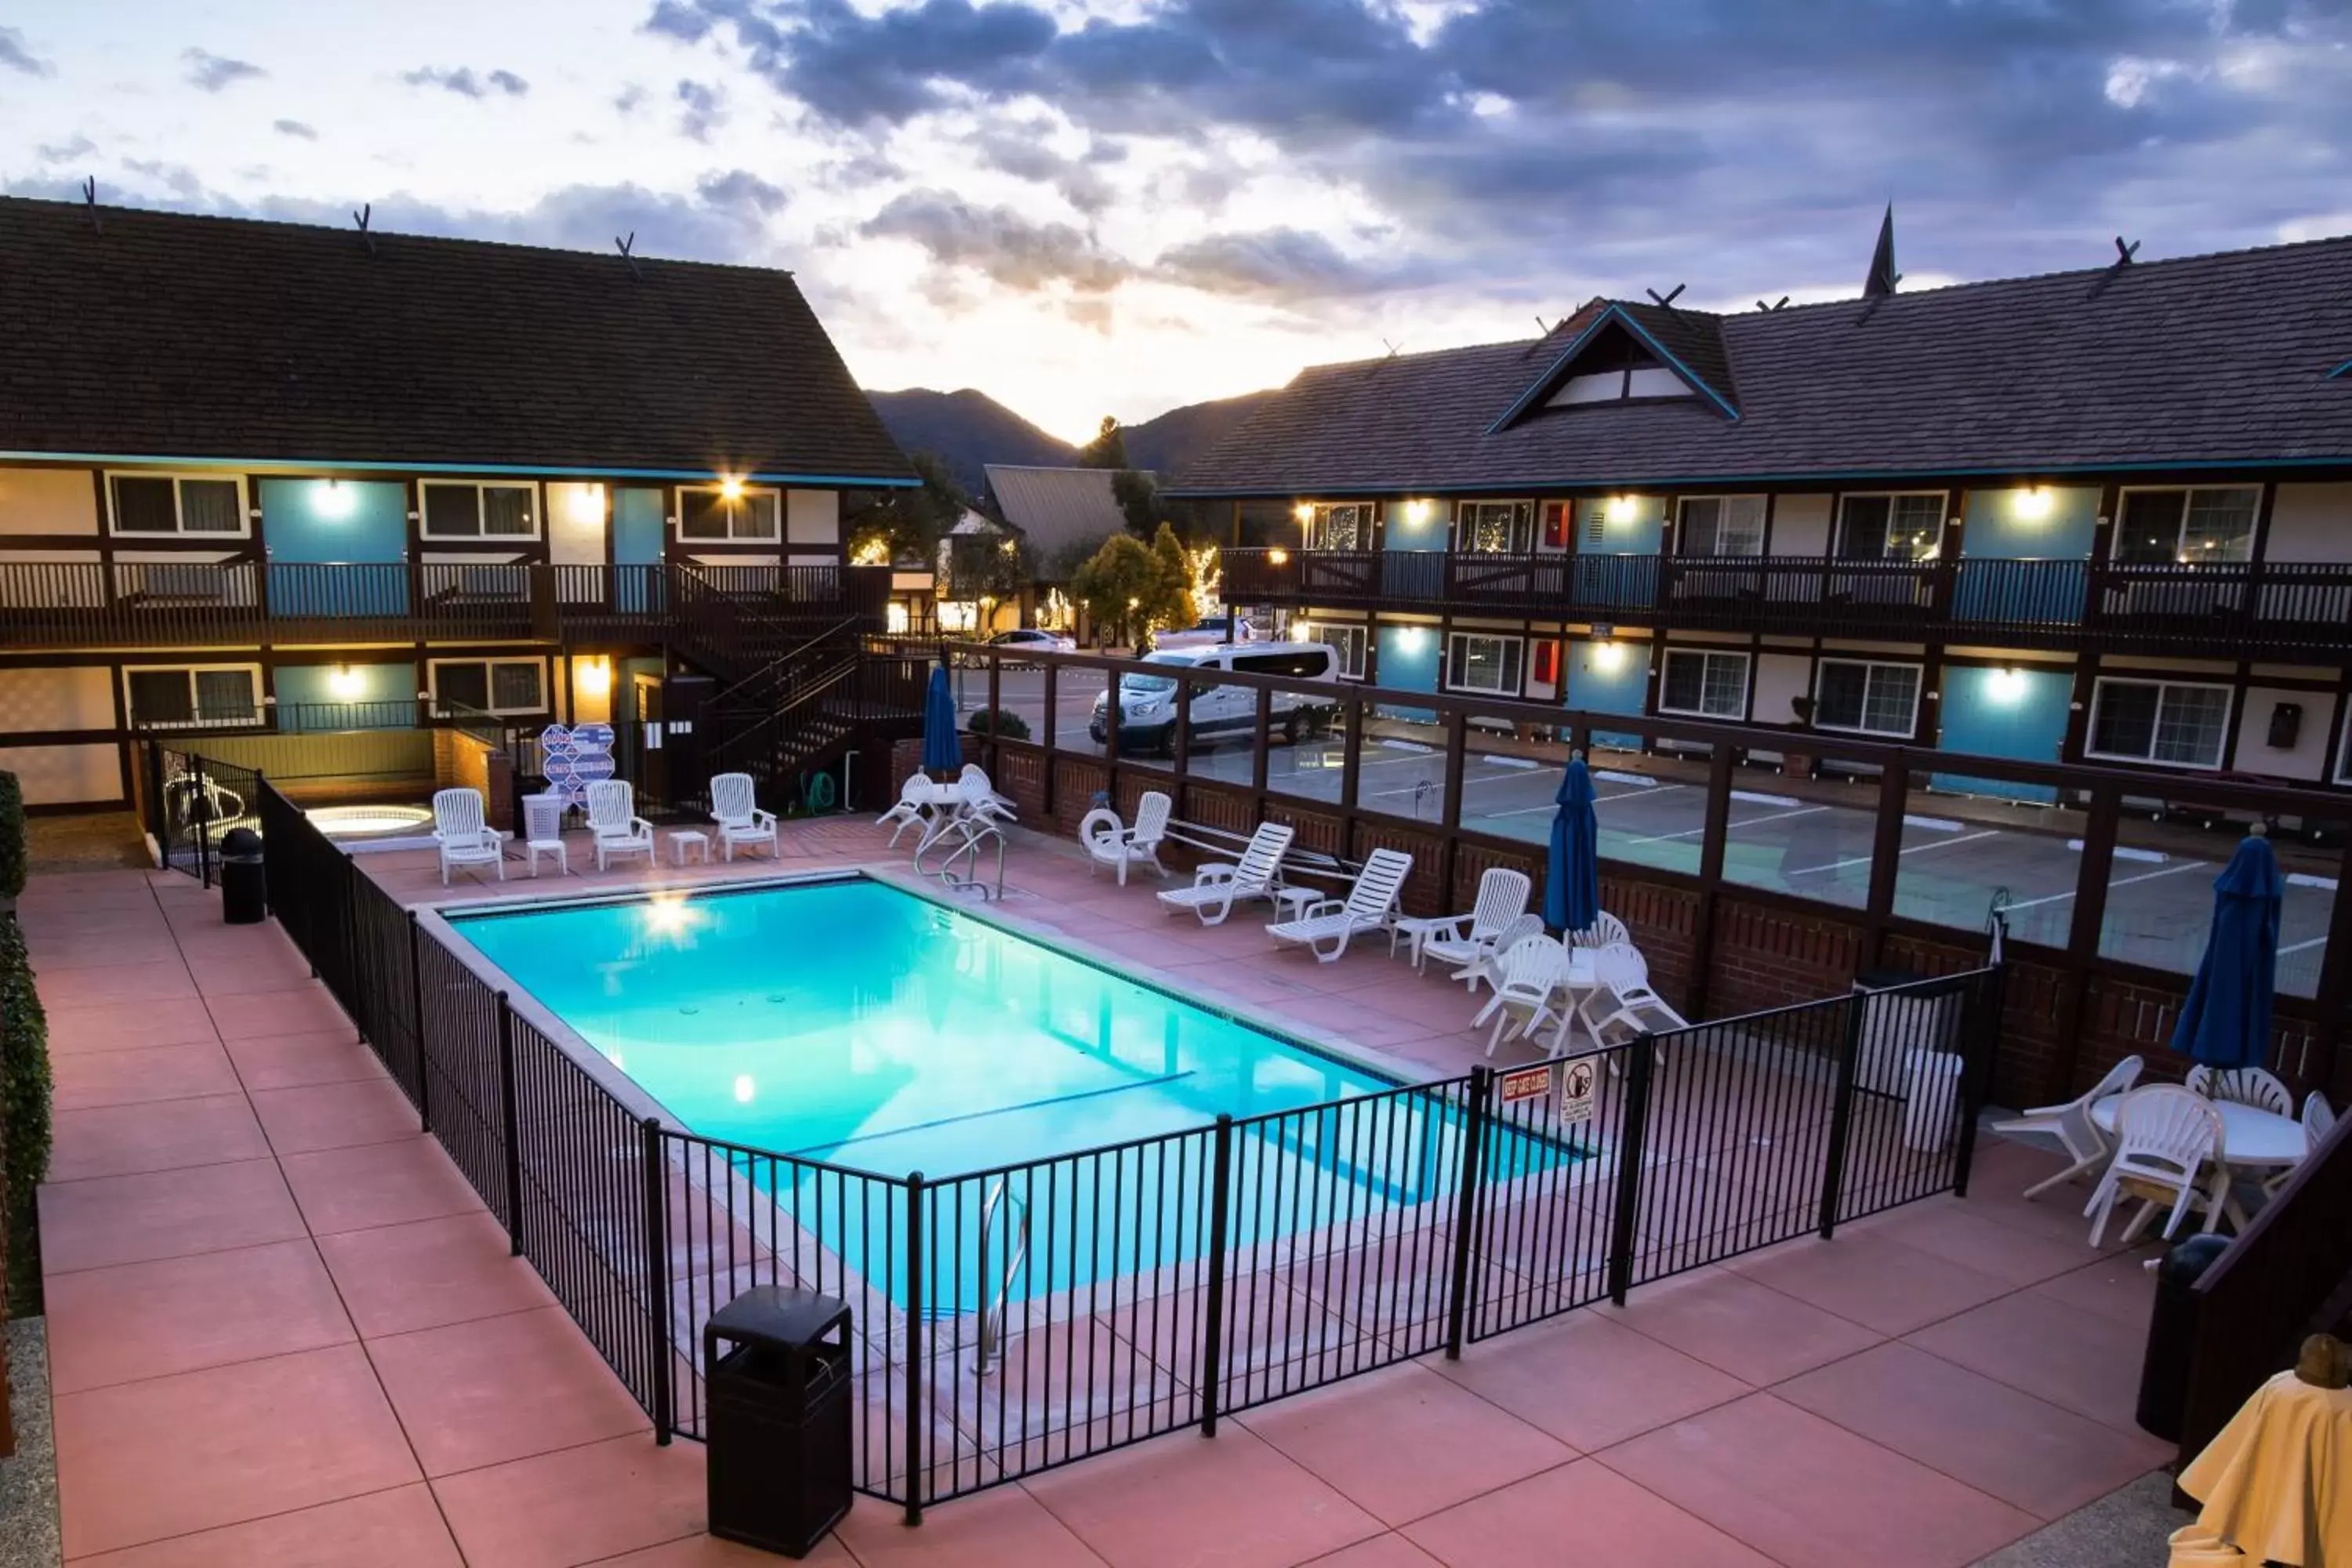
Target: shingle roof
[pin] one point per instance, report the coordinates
(1056, 507)
(2204, 360)
(168, 335)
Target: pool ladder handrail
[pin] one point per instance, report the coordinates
(974, 832)
(991, 1314)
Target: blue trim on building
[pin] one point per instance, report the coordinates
(2340, 370)
(1545, 382)
(331, 464)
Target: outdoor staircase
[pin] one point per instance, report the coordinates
(803, 710)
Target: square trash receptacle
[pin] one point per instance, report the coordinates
(778, 1388)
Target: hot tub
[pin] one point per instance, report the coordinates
(360, 822)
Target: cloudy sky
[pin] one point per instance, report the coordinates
(1088, 206)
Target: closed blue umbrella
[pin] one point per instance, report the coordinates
(1572, 876)
(943, 751)
(2226, 1021)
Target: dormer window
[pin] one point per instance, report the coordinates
(1618, 370)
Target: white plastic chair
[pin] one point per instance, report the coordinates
(2072, 1125)
(2246, 1086)
(1324, 928)
(1623, 999)
(1463, 940)
(1217, 885)
(460, 835)
(1525, 975)
(1111, 842)
(2164, 1136)
(2318, 1121)
(980, 797)
(1486, 968)
(542, 831)
(733, 806)
(614, 821)
(1604, 930)
(913, 795)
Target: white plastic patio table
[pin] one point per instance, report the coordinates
(2250, 1136)
(942, 803)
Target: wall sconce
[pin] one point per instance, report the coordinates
(744, 1088)
(1416, 513)
(1618, 508)
(1410, 638)
(2032, 503)
(593, 677)
(1303, 511)
(588, 504)
(345, 683)
(730, 490)
(1609, 656)
(1278, 557)
(2006, 686)
(332, 500)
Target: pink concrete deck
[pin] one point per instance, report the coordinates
(283, 1330)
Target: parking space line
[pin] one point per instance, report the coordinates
(1915, 849)
(1751, 822)
(2303, 946)
(2127, 881)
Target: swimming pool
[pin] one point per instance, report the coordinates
(850, 1023)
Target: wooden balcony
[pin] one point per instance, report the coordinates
(2277, 609)
(172, 604)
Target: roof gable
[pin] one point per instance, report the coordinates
(1688, 343)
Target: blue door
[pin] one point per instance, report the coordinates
(638, 550)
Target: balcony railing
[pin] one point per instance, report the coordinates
(2275, 607)
(150, 604)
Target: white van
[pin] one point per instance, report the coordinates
(1147, 702)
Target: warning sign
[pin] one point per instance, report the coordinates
(1576, 1091)
(1527, 1083)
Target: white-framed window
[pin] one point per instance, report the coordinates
(192, 697)
(713, 513)
(1494, 527)
(2183, 723)
(464, 508)
(1722, 525)
(1618, 370)
(1705, 684)
(1896, 526)
(176, 506)
(1340, 525)
(1866, 697)
(1477, 661)
(2173, 527)
(486, 685)
(1346, 641)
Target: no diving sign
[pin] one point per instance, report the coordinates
(1576, 1091)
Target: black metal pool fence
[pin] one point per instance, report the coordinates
(192, 802)
(1018, 1318)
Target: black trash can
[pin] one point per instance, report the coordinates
(244, 884)
(2172, 1334)
(779, 1396)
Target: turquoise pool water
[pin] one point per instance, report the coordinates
(851, 1023)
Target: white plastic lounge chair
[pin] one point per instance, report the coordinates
(1486, 967)
(1217, 885)
(2247, 1086)
(2072, 1125)
(739, 817)
(1605, 929)
(2318, 1121)
(1463, 940)
(614, 821)
(913, 795)
(979, 796)
(1527, 974)
(1111, 842)
(1323, 929)
(2164, 1136)
(459, 834)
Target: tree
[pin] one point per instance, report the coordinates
(1172, 601)
(908, 524)
(1116, 585)
(1139, 502)
(1107, 450)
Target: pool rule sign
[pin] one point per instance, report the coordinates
(1575, 1088)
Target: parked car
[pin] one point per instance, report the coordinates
(1147, 700)
(1202, 633)
(1030, 637)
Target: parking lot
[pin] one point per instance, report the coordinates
(1812, 839)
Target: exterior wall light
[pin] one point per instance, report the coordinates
(588, 504)
(2006, 686)
(1416, 513)
(1618, 508)
(346, 683)
(1303, 511)
(730, 490)
(1278, 557)
(332, 502)
(1609, 656)
(593, 677)
(2033, 503)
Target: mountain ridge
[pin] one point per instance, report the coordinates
(967, 429)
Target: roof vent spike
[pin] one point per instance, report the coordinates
(1665, 301)
(90, 203)
(2114, 269)
(361, 217)
(1774, 306)
(2123, 253)
(625, 247)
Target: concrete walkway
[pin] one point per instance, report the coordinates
(284, 1331)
